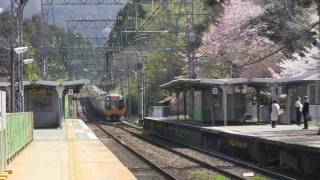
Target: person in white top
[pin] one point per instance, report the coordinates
(274, 113)
(298, 107)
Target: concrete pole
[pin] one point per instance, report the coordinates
(60, 90)
(129, 91)
(177, 103)
(212, 108)
(225, 104)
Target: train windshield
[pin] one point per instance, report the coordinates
(121, 102)
(113, 104)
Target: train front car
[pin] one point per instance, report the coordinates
(114, 107)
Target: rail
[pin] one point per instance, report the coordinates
(159, 169)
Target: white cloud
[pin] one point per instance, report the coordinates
(1, 10)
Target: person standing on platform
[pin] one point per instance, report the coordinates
(275, 111)
(298, 107)
(305, 112)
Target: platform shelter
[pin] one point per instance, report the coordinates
(46, 100)
(242, 100)
(306, 84)
(219, 101)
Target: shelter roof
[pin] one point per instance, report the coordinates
(41, 83)
(75, 82)
(54, 83)
(302, 77)
(210, 82)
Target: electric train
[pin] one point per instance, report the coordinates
(112, 106)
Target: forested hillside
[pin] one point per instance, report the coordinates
(249, 38)
(168, 24)
(46, 44)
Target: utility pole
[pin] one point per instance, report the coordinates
(140, 67)
(12, 81)
(129, 90)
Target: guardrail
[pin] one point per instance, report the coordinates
(19, 132)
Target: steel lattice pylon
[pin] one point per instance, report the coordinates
(77, 53)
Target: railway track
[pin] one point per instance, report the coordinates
(159, 169)
(196, 160)
(180, 149)
(218, 170)
(138, 165)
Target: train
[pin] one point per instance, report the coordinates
(111, 106)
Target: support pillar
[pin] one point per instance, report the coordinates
(288, 107)
(185, 104)
(177, 104)
(212, 108)
(60, 90)
(192, 105)
(273, 89)
(225, 104)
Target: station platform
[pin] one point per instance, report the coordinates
(286, 146)
(286, 135)
(73, 152)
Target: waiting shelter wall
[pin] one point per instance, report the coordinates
(44, 103)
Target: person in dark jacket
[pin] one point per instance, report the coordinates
(305, 112)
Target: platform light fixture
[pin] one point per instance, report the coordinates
(20, 50)
(28, 61)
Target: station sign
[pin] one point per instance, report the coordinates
(214, 90)
(70, 92)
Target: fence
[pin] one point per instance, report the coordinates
(16, 131)
(168, 111)
(19, 132)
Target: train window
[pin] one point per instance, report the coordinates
(113, 104)
(121, 102)
(108, 103)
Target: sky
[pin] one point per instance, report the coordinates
(67, 12)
